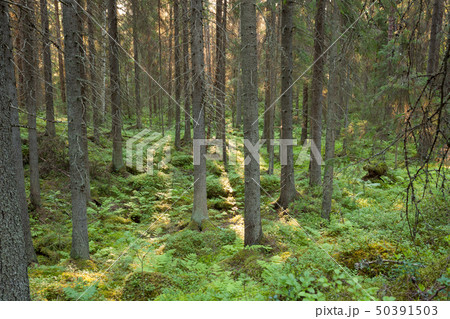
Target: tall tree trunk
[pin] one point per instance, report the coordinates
(13, 264)
(160, 107)
(30, 70)
(62, 78)
(287, 181)
(186, 72)
(170, 65)
(93, 64)
(269, 114)
(221, 17)
(316, 96)
(117, 160)
(435, 37)
(178, 82)
(333, 100)
(305, 108)
(47, 60)
(200, 209)
(252, 214)
(137, 86)
(18, 157)
(79, 174)
(104, 58)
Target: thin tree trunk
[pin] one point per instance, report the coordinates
(186, 72)
(200, 209)
(62, 78)
(79, 174)
(178, 79)
(13, 264)
(287, 181)
(221, 14)
(160, 69)
(117, 160)
(30, 70)
(137, 86)
(47, 61)
(270, 85)
(333, 98)
(93, 73)
(252, 214)
(435, 37)
(305, 108)
(316, 98)
(170, 65)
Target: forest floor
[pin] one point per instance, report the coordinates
(141, 248)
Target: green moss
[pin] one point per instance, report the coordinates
(191, 241)
(145, 286)
(214, 187)
(245, 262)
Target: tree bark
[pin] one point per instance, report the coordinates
(93, 64)
(270, 85)
(137, 86)
(47, 61)
(252, 214)
(18, 165)
(305, 108)
(316, 98)
(30, 70)
(221, 21)
(79, 174)
(333, 100)
(178, 82)
(117, 158)
(186, 72)
(435, 37)
(13, 264)
(287, 181)
(200, 209)
(62, 78)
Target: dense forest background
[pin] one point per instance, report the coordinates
(327, 124)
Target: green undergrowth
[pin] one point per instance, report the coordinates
(139, 234)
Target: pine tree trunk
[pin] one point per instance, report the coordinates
(62, 78)
(186, 72)
(18, 163)
(117, 160)
(200, 210)
(305, 108)
(13, 264)
(47, 61)
(252, 215)
(30, 69)
(137, 85)
(178, 82)
(270, 85)
(435, 37)
(333, 100)
(316, 96)
(94, 81)
(287, 181)
(221, 16)
(79, 174)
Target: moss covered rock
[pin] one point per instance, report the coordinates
(145, 286)
(375, 171)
